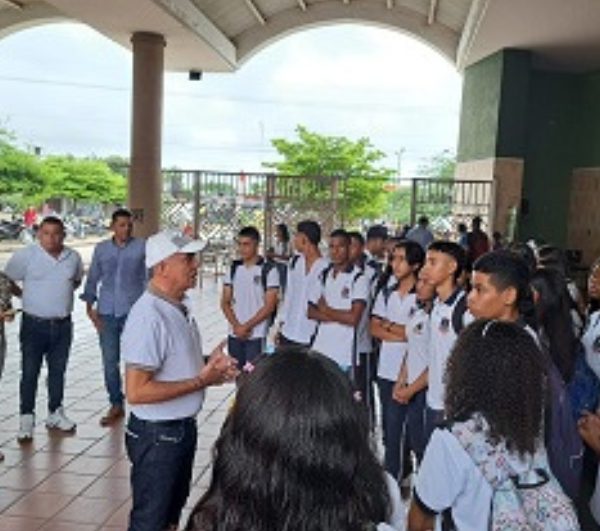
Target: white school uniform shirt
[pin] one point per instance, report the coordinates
(162, 336)
(294, 315)
(48, 282)
(417, 338)
(336, 340)
(591, 342)
(448, 478)
(364, 341)
(442, 337)
(395, 309)
(249, 294)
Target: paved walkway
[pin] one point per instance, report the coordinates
(81, 482)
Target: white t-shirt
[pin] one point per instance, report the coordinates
(249, 294)
(336, 340)
(296, 324)
(396, 310)
(448, 478)
(48, 282)
(160, 337)
(442, 337)
(591, 342)
(417, 335)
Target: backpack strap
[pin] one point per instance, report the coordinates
(293, 261)
(264, 273)
(325, 273)
(458, 314)
(234, 265)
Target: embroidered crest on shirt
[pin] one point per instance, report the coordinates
(418, 328)
(257, 279)
(345, 292)
(596, 345)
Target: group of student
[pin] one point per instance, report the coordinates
(485, 372)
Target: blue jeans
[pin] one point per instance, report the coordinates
(394, 428)
(244, 350)
(415, 424)
(39, 338)
(162, 457)
(433, 418)
(110, 343)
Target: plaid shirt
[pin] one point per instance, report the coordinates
(5, 293)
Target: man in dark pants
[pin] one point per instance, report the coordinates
(50, 273)
(165, 381)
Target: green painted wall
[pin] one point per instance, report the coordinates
(588, 152)
(479, 112)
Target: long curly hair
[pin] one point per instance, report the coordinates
(496, 369)
(294, 454)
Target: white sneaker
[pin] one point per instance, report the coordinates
(26, 425)
(59, 421)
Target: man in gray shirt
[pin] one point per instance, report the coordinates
(165, 381)
(50, 273)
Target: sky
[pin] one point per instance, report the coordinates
(67, 89)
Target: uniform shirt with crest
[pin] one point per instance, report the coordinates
(336, 340)
(249, 294)
(442, 337)
(417, 336)
(396, 309)
(591, 342)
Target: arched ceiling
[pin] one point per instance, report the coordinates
(219, 35)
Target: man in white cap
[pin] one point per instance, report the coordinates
(165, 381)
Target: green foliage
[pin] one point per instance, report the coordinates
(83, 180)
(399, 205)
(362, 195)
(440, 166)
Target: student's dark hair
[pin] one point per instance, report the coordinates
(294, 454)
(311, 230)
(120, 213)
(355, 235)
(555, 323)
(526, 253)
(423, 220)
(250, 232)
(495, 369)
(53, 220)
(509, 270)
(453, 250)
(340, 233)
(553, 257)
(415, 255)
(462, 227)
(283, 230)
(377, 232)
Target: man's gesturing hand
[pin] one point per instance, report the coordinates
(220, 368)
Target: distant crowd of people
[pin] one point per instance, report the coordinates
(475, 363)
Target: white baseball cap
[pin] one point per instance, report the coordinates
(167, 243)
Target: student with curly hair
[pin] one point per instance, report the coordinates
(294, 455)
(496, 378)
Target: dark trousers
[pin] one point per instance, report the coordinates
(433, 418)
(365, 374)
(393, 416)
(284, 343)
(110, 344)
(244, 350)
(415, 423)
(44, 338)
(162, 457)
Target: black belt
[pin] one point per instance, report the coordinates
(166, 423)
(47, 319)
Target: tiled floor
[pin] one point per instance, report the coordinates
(81, 482)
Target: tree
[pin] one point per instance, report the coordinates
(439, 166)
(83, 180)
(361, 193)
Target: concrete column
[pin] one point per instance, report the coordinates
(145, 180)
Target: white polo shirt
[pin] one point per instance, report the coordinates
(364, 341)
(442, 337)
(336, 340)
(249, 294)
(448, 478)
(417, 336)
(395, 309)
(48, 282)
(296, 324)
(591, 342)
(160, 337)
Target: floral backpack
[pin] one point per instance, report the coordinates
(531, 501)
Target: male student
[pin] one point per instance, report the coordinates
(303, 271)
(249, 298)
(377, 237)
(444, 263)
(338, 302)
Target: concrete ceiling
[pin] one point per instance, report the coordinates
(219, 35)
